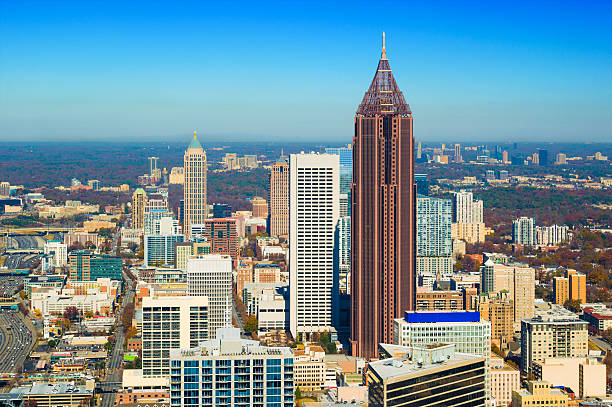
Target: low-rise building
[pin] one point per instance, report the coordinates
(585, 376)
(599, 320)
(539, 393)
(47, 394)
(309, 369)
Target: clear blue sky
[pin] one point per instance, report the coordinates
(150, 70)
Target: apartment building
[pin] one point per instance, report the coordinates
(553, 333)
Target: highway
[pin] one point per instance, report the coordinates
(17, 338)
(113, 367)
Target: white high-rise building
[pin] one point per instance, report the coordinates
(314, 211)
(59, 251)
(211, 275)
(194, 187)
(170, 323)
(343, 245)
(551, 235)
(467, 210)
(523, 231)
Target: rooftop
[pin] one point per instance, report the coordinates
(437, 316)
(53, 388)
(417, 360)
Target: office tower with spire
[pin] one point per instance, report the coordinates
(139, 202)
(279, 197)
(383, 214)
(194, 188)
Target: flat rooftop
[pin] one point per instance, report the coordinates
(397, 367)
(438, 316)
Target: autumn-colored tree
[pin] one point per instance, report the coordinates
(251, 324)
(71, 313)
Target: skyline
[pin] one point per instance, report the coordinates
(112, 71)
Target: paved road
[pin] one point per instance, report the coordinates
(9, 285)
(113, 367)
(17, 339)
(237, 317)
(25, 242)
(20, 261)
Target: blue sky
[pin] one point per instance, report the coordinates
(151, 70)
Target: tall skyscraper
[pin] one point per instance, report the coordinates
(314, 212)
(5, 189)
(343, 258)
(139, 202)
(346, 175)
(422, 184)
(194, 189)
(467, 210)
(433, 241)
(154, 171)
(458, 158)
(383, 214)
(222, 234)
(543, 156)
(279, 198)
(523, 231)
(516, 279)
(222, 211)
(210, 275)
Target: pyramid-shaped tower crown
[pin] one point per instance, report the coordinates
(195, 144)
(384, 96)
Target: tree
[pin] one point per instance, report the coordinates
(128, 315)
(30, 403)
(76, 246)
(22, 294)
(71, 313)
(572, 305)
(51, 343)
(22, 308)
(298, 393)
(89, 314)
(251, 324)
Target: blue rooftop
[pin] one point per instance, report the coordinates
(451, 316)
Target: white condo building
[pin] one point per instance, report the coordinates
(170, 323)
(59, 251)
(467, 210)
(523, 231)
(314, 212)
(211, 275)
